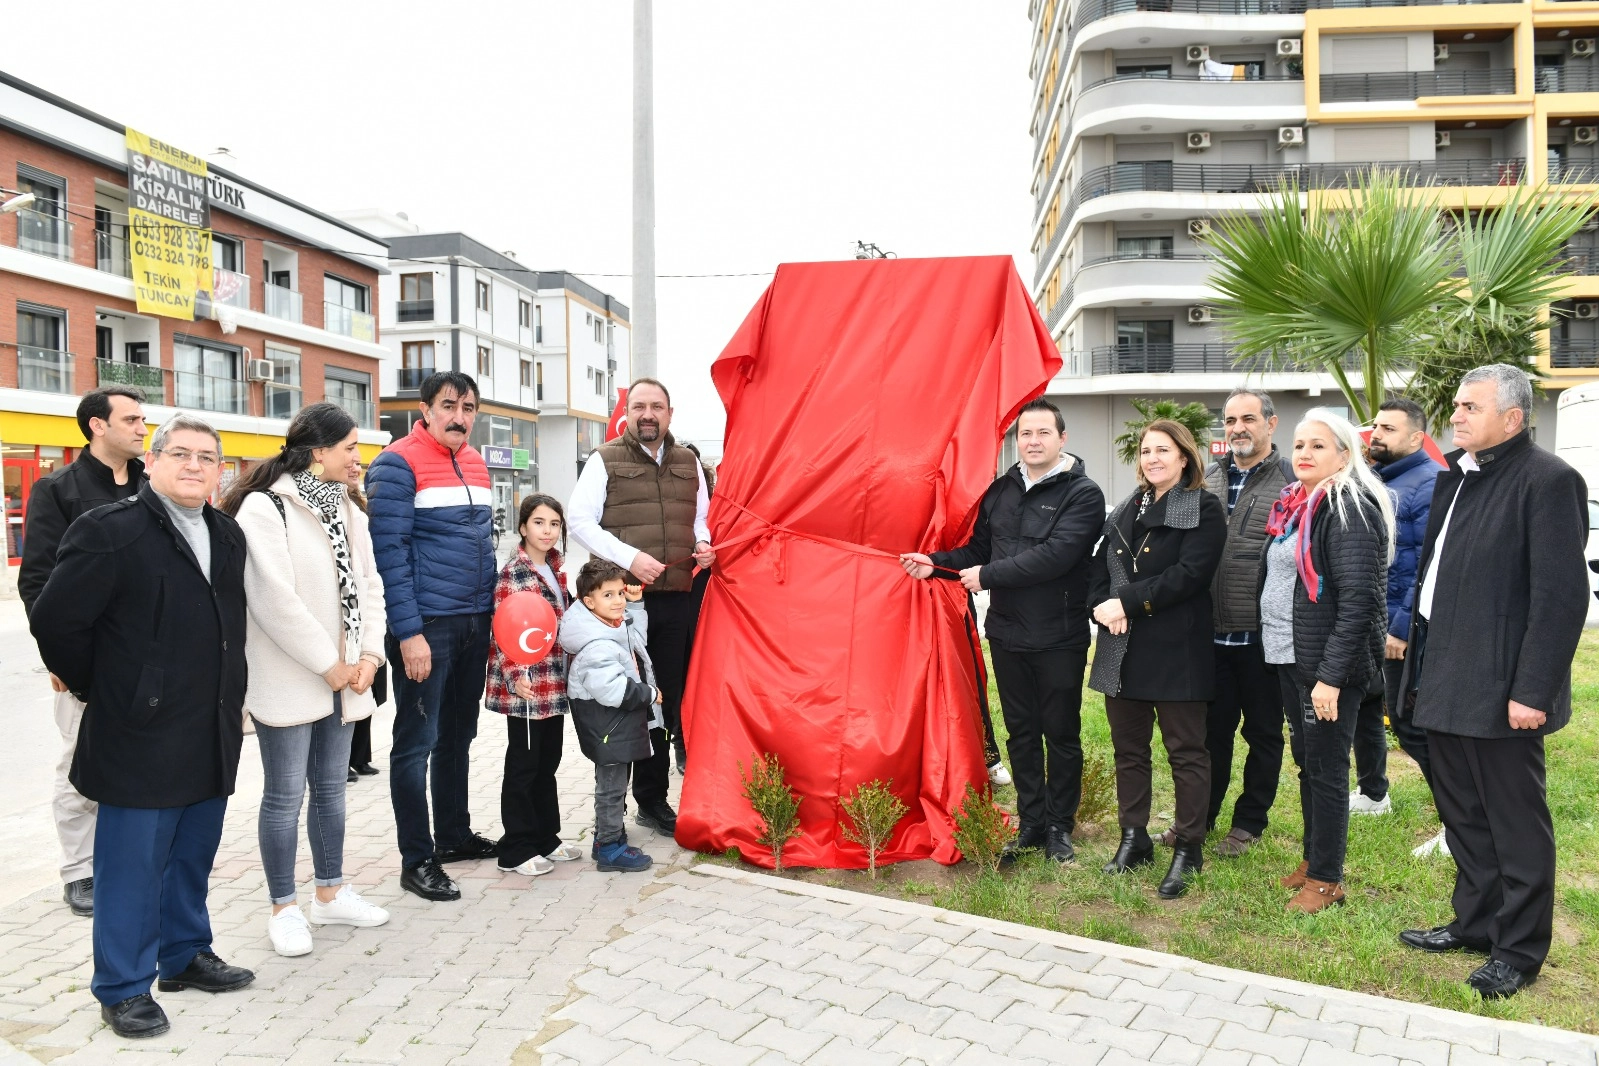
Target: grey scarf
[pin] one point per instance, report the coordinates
(326, 499)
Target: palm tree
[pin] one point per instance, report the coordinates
(1387, 281)
(1195, 416)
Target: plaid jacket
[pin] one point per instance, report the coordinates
(548, 678)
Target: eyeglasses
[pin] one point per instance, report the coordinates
(182, 456)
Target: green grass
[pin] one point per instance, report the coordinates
(1234, 915)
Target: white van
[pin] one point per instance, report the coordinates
(1577, 442)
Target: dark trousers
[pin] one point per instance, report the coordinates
(1041, 697)
(1321, 751)
(529, 807)
(1371, 747)
(435, 721)
(671, 616)
(151, 871)
(361, 743)
(1245, 690)
(1182, 730)
(1412, 740)
(1493, 799)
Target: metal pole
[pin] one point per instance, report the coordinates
(643, 312)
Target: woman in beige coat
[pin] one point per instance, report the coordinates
(314, 641)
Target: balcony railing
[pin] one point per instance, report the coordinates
(1565, 172)
(1186, 80)
(365, 412)
(1123, 257)
(282, 401)
(1576, 78)
(44, 234)
(44, 369)
(1412, 84)
(111, 250)
(283, 303)
(152, 379)
(337, 318)
(1162, 359)
(410, 378)
(208, 393)
(415, 311)
(1574, 354)
(230, 287)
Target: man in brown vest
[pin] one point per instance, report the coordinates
(641, 503)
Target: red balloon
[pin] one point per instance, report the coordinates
(524, 627)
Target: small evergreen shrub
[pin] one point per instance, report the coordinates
(1099, 788)
(772, 799)
(981, 831)
(873, 812)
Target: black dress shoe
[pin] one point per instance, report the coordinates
(366, 770)
(682, 764)
(1058, 845)
(1497, 979)
(209, 974)
(352, 777)
(1030, 838)
(658, 816)
(475, 846)
(1439, 939)
(1186, 861)
(1136, 850)
(79, 895)
(135, 1017)
(428, 880)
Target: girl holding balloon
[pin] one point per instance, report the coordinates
(527, 683)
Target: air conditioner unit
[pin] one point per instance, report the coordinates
(1586, 310)
(1289, 46)
(1440, 139)
(1198, 53)
(1440, 52)
(1198, 141)
(1198, 315)
(259, 370)
(1199, 228)
(1583, 47)
(1290, 136)
(1585, 134)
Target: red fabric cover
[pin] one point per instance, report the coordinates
(866, 402)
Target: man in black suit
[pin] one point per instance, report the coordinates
(143, 618)
(1500, 604)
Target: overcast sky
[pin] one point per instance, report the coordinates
(785, 131)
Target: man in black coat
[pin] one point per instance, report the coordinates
(107, 470)
(143, 618)
(1035, 532)
(1500, 604)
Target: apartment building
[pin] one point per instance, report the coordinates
(288, 321)
(543, 346)
(1152, 117)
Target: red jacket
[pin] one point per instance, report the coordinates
(548, 677)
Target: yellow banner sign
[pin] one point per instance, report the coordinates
(169, 227)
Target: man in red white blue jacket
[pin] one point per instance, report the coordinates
(432, 529)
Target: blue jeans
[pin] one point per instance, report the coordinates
(151, 872)
(435, 722)
(292, 757)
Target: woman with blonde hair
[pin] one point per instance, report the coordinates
(1150, 584)
(1324, 615)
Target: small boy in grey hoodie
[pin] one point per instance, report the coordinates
(610, 684)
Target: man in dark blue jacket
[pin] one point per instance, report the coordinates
(1035, 532)
(432, 528)
(1399, 459)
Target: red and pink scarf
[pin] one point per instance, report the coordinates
(1292, 511)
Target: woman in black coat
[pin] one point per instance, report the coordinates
(1323, 622)
(1151, 580)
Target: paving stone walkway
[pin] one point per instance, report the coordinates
(703, 964)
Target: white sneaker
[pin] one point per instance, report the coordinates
(537, 866)
(1437, 845)
(289, 934)
(998, 775)
(348, 908)
(1360, 803)
(565, 853)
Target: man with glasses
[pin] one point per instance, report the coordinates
(107, 470)
(143, 619)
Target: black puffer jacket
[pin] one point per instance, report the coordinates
(1034, 547)
(1339, 638)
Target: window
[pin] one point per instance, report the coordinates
(341, 293)
(416, 363)
(483, 295)
(524, 314)
(226, 254)
(485, 361)
(538, 382)
(1144, 346)
(538, 324)
(351, 390)
(41, 364)
(599, 330)
(43, 227)
(1150, 247)
(1143, 70)
(344, 309)
(416, 298)
(206, 375)
(527, 373)
(599, 384)
(283, 393)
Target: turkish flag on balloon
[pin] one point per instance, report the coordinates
(618, 423)
(866, 401)
(525, 627)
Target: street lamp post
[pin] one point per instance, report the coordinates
(643, 331)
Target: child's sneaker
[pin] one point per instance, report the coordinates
(594, 848)
(618, 857)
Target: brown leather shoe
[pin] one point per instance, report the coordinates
(1168, 839)
(1315, 896)
(1297, 879)
(1235, 843)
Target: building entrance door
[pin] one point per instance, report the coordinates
(20, 474)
